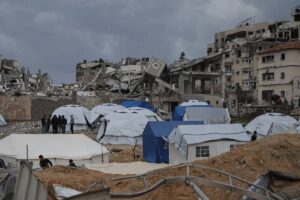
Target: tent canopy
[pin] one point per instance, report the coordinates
(180, 111)
(104, 109)
(2, 121)
(142, 104)
(63, 146)
(207, 115)
(271, 123)
(154, 145)
(184, 135)
(129, 123)
(194, 103)
(81, 114)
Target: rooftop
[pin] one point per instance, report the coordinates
(281, 47)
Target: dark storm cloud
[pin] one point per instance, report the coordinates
(55, 35)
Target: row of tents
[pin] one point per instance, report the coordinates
(198, 130)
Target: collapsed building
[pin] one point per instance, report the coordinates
(226, 77)
(131, 77)
(14, 78)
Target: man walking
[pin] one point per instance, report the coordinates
(48, 123)
(43, 121)
(63, 124)
(72, 124)
(54, 122)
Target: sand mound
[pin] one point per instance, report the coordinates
(249, 161)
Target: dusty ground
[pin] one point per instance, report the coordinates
(21, 127)
(249, 161)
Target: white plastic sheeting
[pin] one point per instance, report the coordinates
(184, 135)
(103, 109)
(295, 128)
(81, 116)
(59, 148)
(207, 115)
(125, 126)
(2, 121)
(194, 103)
(126, 168)
(271, 123)
(62, 192)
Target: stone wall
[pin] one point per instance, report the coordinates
(46, 105)
(15, 108)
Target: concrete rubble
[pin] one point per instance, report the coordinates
(15, 79)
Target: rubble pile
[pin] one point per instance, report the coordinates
(15, 79)
(132, 77)
(21, 127)
(248, 161)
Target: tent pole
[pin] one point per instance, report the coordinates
(27, 153)
(102, 153)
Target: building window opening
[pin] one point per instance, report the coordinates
(283, 56)
(282, 75)
(268, 76)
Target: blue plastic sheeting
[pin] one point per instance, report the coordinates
(142, 104)
(179, 111)
(155, 148)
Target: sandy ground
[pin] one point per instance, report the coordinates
(249, 161)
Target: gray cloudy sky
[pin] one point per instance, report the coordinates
(54, 35)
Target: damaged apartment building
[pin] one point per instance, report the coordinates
(131, 77)
(228, 74)
(14, 78)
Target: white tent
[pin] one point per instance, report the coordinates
(207, 115)
(125, 126)
(295, 128)
(194, 103)
(2, 121)
(270, 124)
(59, 148)
(103, 110)
(81, 116)
(192, 142)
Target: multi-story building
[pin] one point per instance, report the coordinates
(278, 73)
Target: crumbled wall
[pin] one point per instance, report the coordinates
(15, 108)
(45, 106)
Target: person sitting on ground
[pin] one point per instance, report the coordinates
(44, 162)
(71, 163)
(254, 136)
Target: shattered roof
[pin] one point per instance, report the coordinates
(287, 46)
(89, 65)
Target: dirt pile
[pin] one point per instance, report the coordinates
(249, 161)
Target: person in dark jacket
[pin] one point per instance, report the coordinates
(48, 123)
(72, 122)
(54, 123)
(44, 162)
(43, 121)
(254, 136)
(71, 163)
(59, 124)
(63, 124)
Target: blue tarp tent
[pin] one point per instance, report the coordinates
(155, 148)
(179, 111)
(142, 104)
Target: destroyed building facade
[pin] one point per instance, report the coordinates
(229, 75)
(14, 78)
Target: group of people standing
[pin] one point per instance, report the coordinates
(58, 124)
